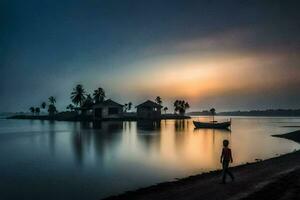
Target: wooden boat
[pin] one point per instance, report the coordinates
(213, 124)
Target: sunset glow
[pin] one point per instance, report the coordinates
(149, 99)
(245, 62)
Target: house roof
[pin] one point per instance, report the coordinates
(108, 102)
(149, 103)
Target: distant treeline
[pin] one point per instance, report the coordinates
(7, 114)
(269, 112)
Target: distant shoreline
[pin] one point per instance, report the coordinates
(253, 180)
(65, 116)
(254, 113)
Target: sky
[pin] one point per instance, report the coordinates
(231, 55)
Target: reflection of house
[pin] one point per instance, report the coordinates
(108, 126)
(148, 110)
(107, 109)
(148, 125)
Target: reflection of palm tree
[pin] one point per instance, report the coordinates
(52, 100)
(78, 147)
(37, 110)
(179, 125)
(78, 95)
(181, 106)
(32, 110)
(99, 95)
(213, 113)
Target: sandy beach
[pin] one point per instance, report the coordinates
(275, 178)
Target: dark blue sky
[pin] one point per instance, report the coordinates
(140, 49)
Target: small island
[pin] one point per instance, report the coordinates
(87, 107)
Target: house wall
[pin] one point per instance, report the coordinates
(105, 112)
(148, 113)
(86, 112)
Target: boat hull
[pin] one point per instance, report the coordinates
(222, 125)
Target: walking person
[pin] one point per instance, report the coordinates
(226, 158)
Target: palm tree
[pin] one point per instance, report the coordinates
(70, 107)
(181, 106)
(165, 109)
(32, 110)
(213, 113)
(52, 109)
(78, 95)
(186, 106)
(127, 106)
(158, 100)
(99, 95)
(176, 106)
(37, 110)
(52, 100)
(43, 105)
(88, 102)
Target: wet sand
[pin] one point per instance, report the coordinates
(275, 178)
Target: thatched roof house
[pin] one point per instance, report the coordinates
(107, 109)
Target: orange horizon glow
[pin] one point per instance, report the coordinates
(203, 77)
(208, 71)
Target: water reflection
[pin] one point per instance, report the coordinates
(78, 146)
(180, 125)
(108, 127)
(148, 125)
(89, 137)
(52, 134)
(104, 156)
(172, 142)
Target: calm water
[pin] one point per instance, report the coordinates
(68, 160)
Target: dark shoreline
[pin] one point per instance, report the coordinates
(172, 189)
(294, 136)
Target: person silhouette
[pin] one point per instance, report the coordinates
(226, 158)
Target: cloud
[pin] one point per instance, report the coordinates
(215, 67)
(227, 53)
